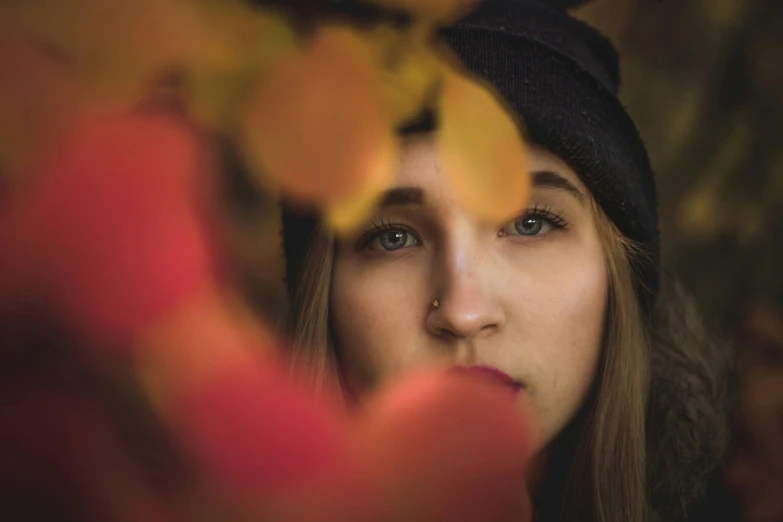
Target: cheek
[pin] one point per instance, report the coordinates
(561, 299)
(575, 303)
(375, 317)
(558, 315)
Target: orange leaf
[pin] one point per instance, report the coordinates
(37, 99)
(482, 149)
(117, 47)
(205, 336)
(317, 129)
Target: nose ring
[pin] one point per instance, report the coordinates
(436, 304)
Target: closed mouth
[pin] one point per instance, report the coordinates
(491, 373)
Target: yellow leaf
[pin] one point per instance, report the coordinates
(410, 72)
(432, 10)
(341, 217)
(242, 44)
(316, 129)
(482, 149)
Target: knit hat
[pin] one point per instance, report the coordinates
(561, 77)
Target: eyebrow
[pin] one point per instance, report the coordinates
(415, 196)
(549, 179)
(402, 196)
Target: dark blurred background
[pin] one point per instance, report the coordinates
(703, 79)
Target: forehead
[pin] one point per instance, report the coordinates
(420, 164)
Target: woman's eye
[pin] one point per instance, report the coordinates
(527, 226)
(393, 239)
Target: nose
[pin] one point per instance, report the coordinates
(468, 306)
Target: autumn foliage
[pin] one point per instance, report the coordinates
(108, 236)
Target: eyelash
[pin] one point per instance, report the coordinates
(369, 234)
(545, 213)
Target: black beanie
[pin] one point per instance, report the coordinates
(561, 77)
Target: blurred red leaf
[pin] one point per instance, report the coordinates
(260, 439)
(205, 336)
(112, 230)
(434, 448)
(450, 448)
(258, 433)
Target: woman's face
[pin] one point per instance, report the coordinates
(527, 296)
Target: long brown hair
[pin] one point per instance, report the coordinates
(600, 468)
(597, 469)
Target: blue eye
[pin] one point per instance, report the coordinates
(394, 240)
(388, 237)
(532, 226)
(534, 222)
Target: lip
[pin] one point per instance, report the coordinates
(490, 372)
